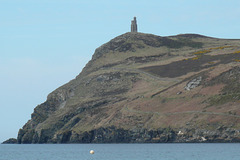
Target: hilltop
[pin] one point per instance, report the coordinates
(146, 88)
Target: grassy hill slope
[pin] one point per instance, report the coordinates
(146, 88)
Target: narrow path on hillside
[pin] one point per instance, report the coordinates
(177, 113)
(145, 73)
(175, 81)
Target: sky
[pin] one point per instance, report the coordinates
(46, 43)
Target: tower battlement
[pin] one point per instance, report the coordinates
(134, 25)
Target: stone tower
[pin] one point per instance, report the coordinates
(134, 25)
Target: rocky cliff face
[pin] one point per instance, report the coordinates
(146, 88)
(10, 141)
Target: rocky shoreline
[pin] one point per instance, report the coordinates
(10, 141)
(114, 135)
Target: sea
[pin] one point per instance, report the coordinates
(173, 151)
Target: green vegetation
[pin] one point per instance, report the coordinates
(188, 42)
(222, 99)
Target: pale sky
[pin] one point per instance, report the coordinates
(46, 43)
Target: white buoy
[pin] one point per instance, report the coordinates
(92, 152)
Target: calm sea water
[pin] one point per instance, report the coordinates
(120, 152)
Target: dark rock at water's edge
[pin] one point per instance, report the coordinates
(161, 135)
(10, 141)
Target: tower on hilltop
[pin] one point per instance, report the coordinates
(134, 25)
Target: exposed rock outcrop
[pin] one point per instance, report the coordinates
(10, 141)
(118, 135)
(193, 83)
